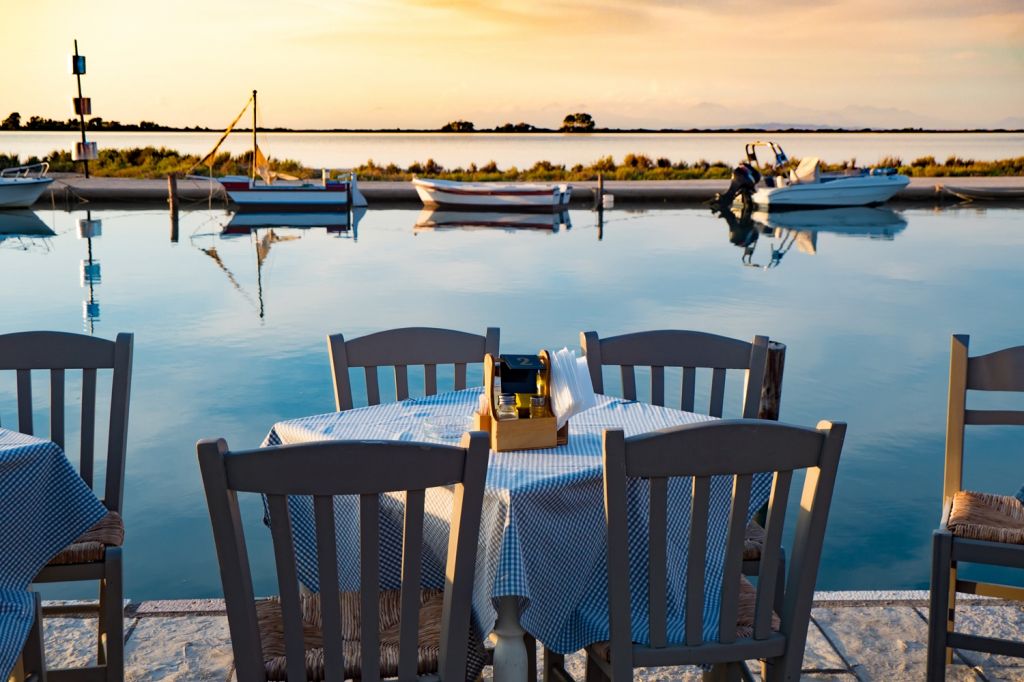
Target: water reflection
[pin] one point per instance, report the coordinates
(23, 230)
(337, 223)
(800, 228)
(91, 275)
(431, 219)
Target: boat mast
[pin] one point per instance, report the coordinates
(254, 137)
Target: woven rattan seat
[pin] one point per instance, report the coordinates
(271, 626)
(753, 542)
(92, 544)
(981, 516)
(744, 619)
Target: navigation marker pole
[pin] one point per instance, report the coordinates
(84, 151)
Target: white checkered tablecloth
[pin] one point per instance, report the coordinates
(44, 505)
(543, 533)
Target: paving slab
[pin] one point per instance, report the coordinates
(883, 643)
(179, 649)
(70, 642)
(1003, 620)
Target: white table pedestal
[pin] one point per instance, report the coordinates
(511, 663)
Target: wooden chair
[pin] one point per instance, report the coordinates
(692, 351)
(689, 350)
(974, 527)
(748, 627)
(400, 348)
(370, 633)
(31, 666)
(96, 555)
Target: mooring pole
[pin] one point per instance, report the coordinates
(81, 111)
(172, 201)
(254, 138)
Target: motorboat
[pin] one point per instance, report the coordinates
(770, 185)
(21, 186)
(440, 219)
(511, 196)
(261, 191)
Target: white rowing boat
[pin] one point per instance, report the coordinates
(21, 186)
(493, 195)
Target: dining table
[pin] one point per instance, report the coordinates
(44, 506)
(542, 555)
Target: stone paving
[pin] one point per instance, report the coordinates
(853, 636)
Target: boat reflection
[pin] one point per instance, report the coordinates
(800, 228)
(23, 230)
(431, 219)
(338, 223)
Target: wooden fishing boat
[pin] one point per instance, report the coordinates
(493, 195)
(260, 192)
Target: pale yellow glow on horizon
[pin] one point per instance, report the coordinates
(420, 63)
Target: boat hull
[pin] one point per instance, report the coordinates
(504, 197)
(21, 192)
(864, 190)
(986, 193)
(334, 196)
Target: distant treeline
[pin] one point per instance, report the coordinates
(572, 123)
(150, 162)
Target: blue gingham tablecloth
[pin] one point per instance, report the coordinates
(44, 506)
(543, 536)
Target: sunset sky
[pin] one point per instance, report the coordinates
(420, 63)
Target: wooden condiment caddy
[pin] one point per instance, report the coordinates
(519, 434)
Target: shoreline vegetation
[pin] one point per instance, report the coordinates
(152, 162)
(577, 123)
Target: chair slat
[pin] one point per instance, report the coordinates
(657, 582)
(767, 581)
(372, 385)
(733, 564)
(25, 401)
(288, 586)
(412, 553)
(460, 376)
(658, 385)
(330, 603)
(430, 380)
(689, 388)
(628, 382)
(57, 406)
(369, 578)
(994, 417)
(696, 559)
(717, 392)
(401, 382)
(88, 432)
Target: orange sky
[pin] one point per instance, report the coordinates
(420, 63)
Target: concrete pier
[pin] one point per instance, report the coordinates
(70, 190)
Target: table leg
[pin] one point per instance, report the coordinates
(511, 662)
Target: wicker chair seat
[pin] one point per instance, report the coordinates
(981, 516)
(271, 626)
(744, 619)
(92, 545)
(753, 541)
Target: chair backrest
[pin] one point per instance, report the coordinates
(400, 348)
(324, 470)
(739, 449)
(59, 352)
(1001, 370)
(689, 350)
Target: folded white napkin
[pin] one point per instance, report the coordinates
(571, 390)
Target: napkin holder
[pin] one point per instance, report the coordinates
(519, 434)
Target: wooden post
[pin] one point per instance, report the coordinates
(172, 201)
(599, 197)
(81, 114)
(771, 389)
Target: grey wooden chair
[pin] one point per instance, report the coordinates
(366, 634)
(96, 555)
(690, 350)
(400, 348)
(31, 667)
(748, 628)
(974, 527)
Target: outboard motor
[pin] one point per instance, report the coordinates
(744, 178)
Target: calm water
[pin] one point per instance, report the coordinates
(343, 150)
(866, 313)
